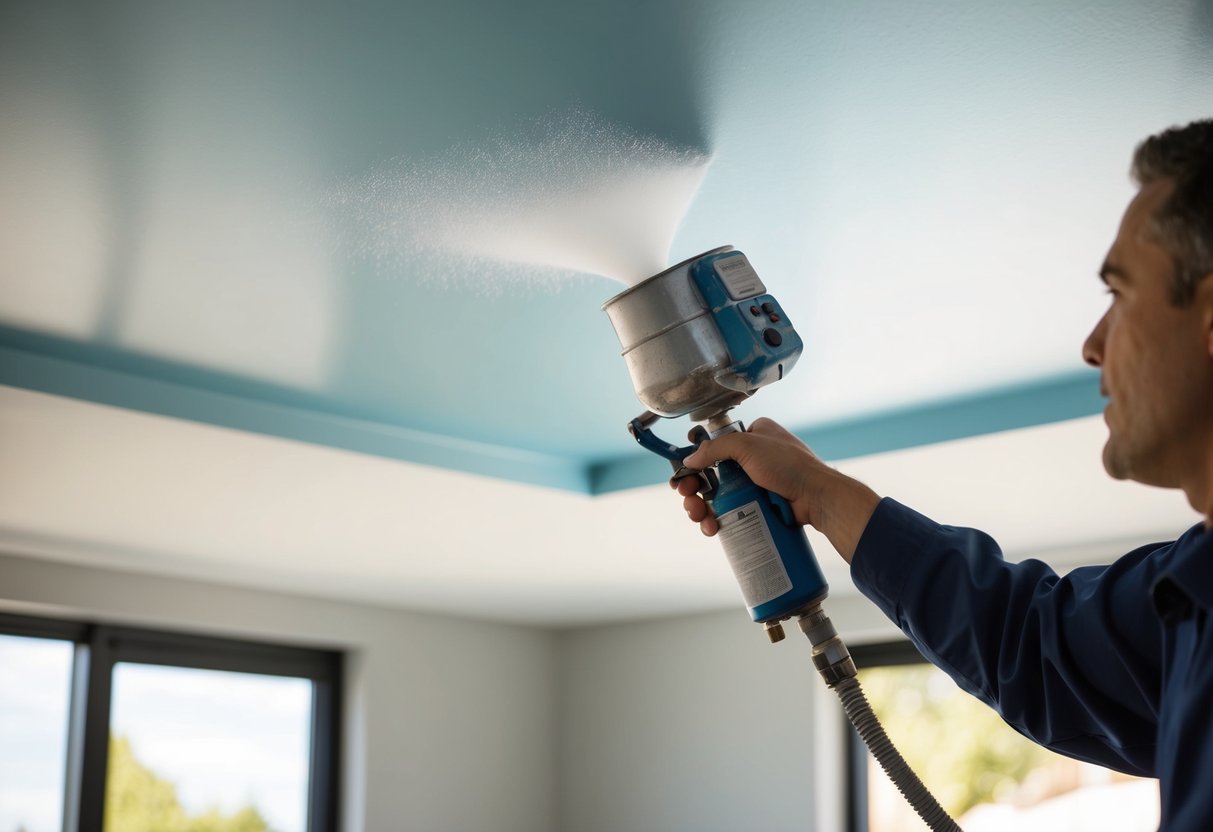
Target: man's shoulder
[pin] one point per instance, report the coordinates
(1197, 537)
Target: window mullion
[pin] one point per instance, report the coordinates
(74, 762)
(95, 737)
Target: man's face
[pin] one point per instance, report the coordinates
(1154, 357)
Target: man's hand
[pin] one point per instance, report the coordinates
(833, 503)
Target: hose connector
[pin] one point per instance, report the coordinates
(830, 655)
(833, 661)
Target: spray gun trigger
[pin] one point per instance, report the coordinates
(706, 479)
(639, 428)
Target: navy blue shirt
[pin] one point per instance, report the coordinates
(1108, 664)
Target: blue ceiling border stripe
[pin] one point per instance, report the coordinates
(51, 365)
(64, 377)
(1057, 399)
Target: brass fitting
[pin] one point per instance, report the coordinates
(774, 631)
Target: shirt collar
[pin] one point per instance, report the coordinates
(1186, 582)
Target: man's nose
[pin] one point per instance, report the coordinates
(1092, 348)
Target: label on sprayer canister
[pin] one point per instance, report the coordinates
(752, 554)
(738, 276)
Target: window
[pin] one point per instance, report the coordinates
(126, 730)
(982, 771)
(35, 693)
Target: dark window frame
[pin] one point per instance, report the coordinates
(99, 647)
(883, 654)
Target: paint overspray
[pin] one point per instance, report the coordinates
(581, 196)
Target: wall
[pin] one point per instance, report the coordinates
(692, 724)
(698, 723)
(448, 722)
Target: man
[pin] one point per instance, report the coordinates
(1108, 664)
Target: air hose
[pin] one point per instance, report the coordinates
(833, 661)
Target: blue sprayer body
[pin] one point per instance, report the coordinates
(767, 549)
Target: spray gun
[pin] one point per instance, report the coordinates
(700, 338)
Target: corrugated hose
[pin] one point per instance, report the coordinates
(833, 661)
(860, 713)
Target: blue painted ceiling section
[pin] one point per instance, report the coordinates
(174, 248)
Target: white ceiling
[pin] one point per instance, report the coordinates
(97, 485)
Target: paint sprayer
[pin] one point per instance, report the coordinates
(700, 338)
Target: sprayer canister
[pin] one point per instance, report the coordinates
(766, 548)
(702, 336)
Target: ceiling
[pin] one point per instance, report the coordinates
(308, 295)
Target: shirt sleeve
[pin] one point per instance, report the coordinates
(1071, 662)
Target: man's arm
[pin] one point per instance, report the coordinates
(1071, 662)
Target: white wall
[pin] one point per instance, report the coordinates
(448, 721)
(699, 724)
(691, 724)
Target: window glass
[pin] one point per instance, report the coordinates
(983, 772)
(35, 694)
(207, 751)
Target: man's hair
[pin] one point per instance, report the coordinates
(1183, 225)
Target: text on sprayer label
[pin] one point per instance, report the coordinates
(752, 555)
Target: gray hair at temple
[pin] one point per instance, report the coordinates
(1183, 224)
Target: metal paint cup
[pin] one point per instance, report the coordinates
(673, 348)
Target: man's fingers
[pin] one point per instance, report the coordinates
(687, 486)
(696, 508)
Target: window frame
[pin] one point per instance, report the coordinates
(99, 647)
